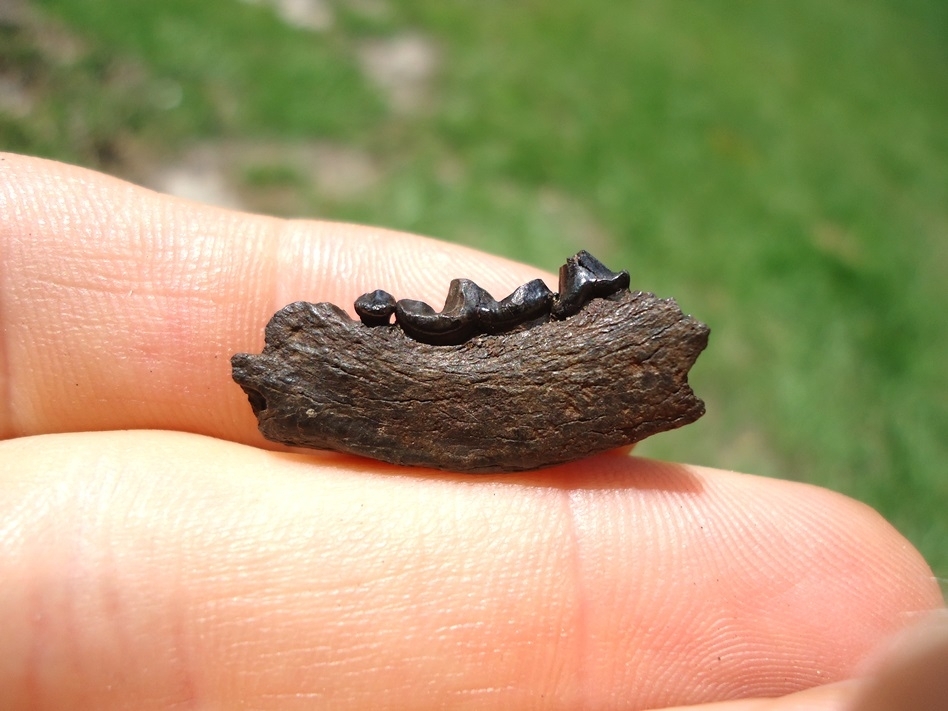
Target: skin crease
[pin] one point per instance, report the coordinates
(155, 551)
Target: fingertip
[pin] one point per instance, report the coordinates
(908, 672)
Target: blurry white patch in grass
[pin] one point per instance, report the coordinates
(315, 15)
(200, 177)
(401, 66)
(13, 12)
(283, 177)
(334, 170)
(15, 100)
(340, 172)
(166, 94)
(53, 39)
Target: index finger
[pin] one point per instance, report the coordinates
(120, 307)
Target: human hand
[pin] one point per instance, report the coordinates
(155, 551)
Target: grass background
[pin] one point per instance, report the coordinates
(781, 169)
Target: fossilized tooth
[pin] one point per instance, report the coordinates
(456, 323)
(375, 308)
(469, 309)
(526, 304)
(582, 279)
(534, 393)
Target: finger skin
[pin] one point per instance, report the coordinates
(148, 569)
(121, 308)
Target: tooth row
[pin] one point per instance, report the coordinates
(470, 310)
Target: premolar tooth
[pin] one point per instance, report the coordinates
(375, 308)
(582, 279)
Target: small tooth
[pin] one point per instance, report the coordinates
(375, 308)
(582, 279)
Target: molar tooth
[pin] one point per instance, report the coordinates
(456, 323)
(527, 302)
(607, 282)
(583, 278)
(476, 300)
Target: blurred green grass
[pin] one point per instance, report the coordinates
(780, 169)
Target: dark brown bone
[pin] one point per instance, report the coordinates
(608, 376)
